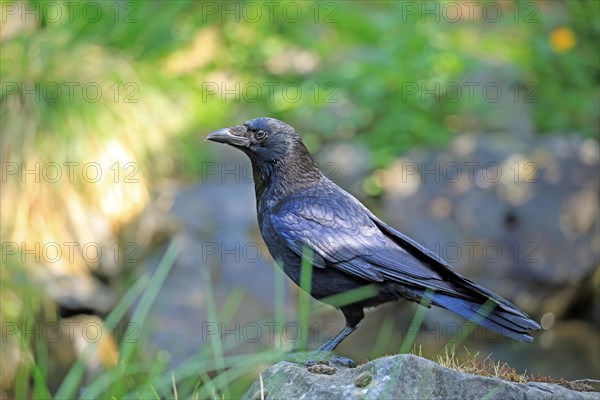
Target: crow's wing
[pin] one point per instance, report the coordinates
(345, 235)
(341, 232)
(337, 235)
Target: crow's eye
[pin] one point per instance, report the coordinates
(260, 135)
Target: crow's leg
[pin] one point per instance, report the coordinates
(354, 314)
(331, 344)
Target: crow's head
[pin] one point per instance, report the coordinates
(263, 139)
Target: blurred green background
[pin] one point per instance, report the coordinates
(134, 86)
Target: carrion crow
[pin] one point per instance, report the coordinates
(349, 247)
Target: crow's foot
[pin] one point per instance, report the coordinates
(320, 357)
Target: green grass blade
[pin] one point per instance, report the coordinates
(415, 324)
(212, 315)
(306, 270)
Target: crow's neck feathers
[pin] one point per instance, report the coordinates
(276, 179)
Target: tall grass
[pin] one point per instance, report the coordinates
(215, 371)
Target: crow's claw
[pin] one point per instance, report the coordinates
(320, 357)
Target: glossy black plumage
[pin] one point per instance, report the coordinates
(299, 208)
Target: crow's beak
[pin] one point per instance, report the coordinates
(228, 136)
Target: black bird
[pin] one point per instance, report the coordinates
(299, 208)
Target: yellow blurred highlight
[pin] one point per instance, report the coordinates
(202, 50)
(562, 39)
(122, 195)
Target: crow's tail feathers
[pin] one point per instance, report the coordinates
(497, 315)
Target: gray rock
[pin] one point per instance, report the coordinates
(399, 377)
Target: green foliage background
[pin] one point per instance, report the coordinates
(366, 51)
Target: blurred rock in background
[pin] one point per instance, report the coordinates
(518, 215)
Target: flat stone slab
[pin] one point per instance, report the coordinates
(398, 377)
